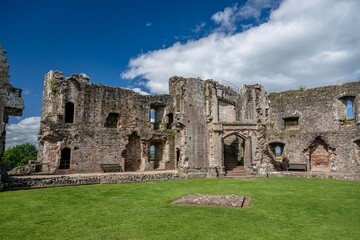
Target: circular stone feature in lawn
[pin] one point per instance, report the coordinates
(232, 201)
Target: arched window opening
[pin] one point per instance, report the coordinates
(65, 158)
(276, 150)
(112, 120)
(170, 118)
(69, 112)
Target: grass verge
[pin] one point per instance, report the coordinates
(280, 208)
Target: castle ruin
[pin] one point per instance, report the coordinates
(11, 104)
(201, 128)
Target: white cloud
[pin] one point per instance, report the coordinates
(148, 24)
(26, 131)
(226, 19)
(303, 43)
(138, 90)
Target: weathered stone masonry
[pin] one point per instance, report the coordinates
(314, 127)
(201, 128)
(11, 103)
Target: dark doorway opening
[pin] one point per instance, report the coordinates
(65, 158)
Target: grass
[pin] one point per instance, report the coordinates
(279, 209)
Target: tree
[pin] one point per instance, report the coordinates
(19, 155)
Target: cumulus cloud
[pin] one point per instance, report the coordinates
(26, 131)
(227, 18)
(138, 90)
(303, 43)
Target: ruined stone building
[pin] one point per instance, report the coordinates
(11, 103)
(201, 128)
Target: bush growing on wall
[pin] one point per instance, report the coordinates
(19, 155)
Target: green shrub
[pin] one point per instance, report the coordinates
(19, 155)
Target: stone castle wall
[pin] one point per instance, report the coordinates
(11, 103)
(197, 128)
(105, 121)
(313, 125)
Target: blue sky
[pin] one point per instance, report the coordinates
(140, 44)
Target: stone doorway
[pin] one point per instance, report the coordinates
(319, 156)
(233, 152)
(133, 153)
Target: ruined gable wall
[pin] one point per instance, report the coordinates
(11, 103)
(90, 141)
(320, 114)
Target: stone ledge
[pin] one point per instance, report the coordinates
(322, 175)
(29, 182)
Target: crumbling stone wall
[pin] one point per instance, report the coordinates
(207, 113)
(11, 104)
(190, 128)
(313, 126)
(90, 136)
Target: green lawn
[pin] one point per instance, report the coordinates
(280, 208)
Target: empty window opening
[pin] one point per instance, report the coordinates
(65, 158)
(69, 112)
(156, 115)
(291, 123)
(276, 150)
(170, 120)
(152, 153)
(112, 120)
(152, 115)
(348, 108)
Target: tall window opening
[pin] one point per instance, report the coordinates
(170, 118)
(112, 120)
(156, 115)
(152, 115)
(348, 109)
(152, 153)
(69, 112)
(65, 158)
(177, 156)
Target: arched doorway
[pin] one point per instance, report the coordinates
(133, 153)
(319, 156)
(234, 151)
